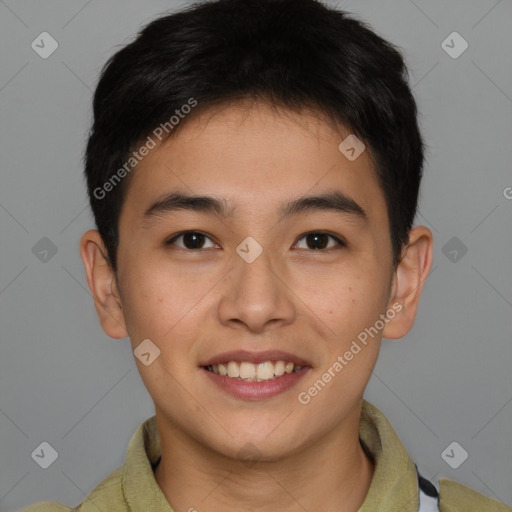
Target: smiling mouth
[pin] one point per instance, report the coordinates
(250, 372)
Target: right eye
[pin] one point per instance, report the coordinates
(192, 240)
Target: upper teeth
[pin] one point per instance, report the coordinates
(254, 372)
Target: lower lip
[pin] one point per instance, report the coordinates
(257, 390)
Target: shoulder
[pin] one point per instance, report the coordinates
(455, 497)
(107, 495)
(46, 506)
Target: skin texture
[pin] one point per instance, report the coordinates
(196, 303)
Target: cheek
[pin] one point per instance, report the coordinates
(160, 300)
(147, 301)
(353, 343)
(351, 303)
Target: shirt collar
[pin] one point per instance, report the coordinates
(140, 490)
(394, 485)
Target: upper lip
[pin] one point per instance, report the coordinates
(255, 357)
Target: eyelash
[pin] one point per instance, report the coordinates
(172, 240)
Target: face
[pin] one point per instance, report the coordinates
(255, 280)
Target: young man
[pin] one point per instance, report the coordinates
(253, 169)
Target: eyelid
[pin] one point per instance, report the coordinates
(173, 238)
(339, 240)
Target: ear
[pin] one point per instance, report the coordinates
(102, 283)
(408, 279)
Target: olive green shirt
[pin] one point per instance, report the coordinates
(394, 486)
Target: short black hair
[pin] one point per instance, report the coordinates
(292, 54)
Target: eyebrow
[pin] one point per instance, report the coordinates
(331, 201)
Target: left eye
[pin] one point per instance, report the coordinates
(319, 240)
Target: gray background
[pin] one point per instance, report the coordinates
(63, 381)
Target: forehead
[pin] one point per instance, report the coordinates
(255, 158)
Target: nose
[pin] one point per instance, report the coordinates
(257, 295)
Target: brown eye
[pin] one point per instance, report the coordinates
(318, 240)
(191, 240)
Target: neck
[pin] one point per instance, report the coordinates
(333, 474)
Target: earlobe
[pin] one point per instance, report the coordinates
(102, 283)
(408, 280)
